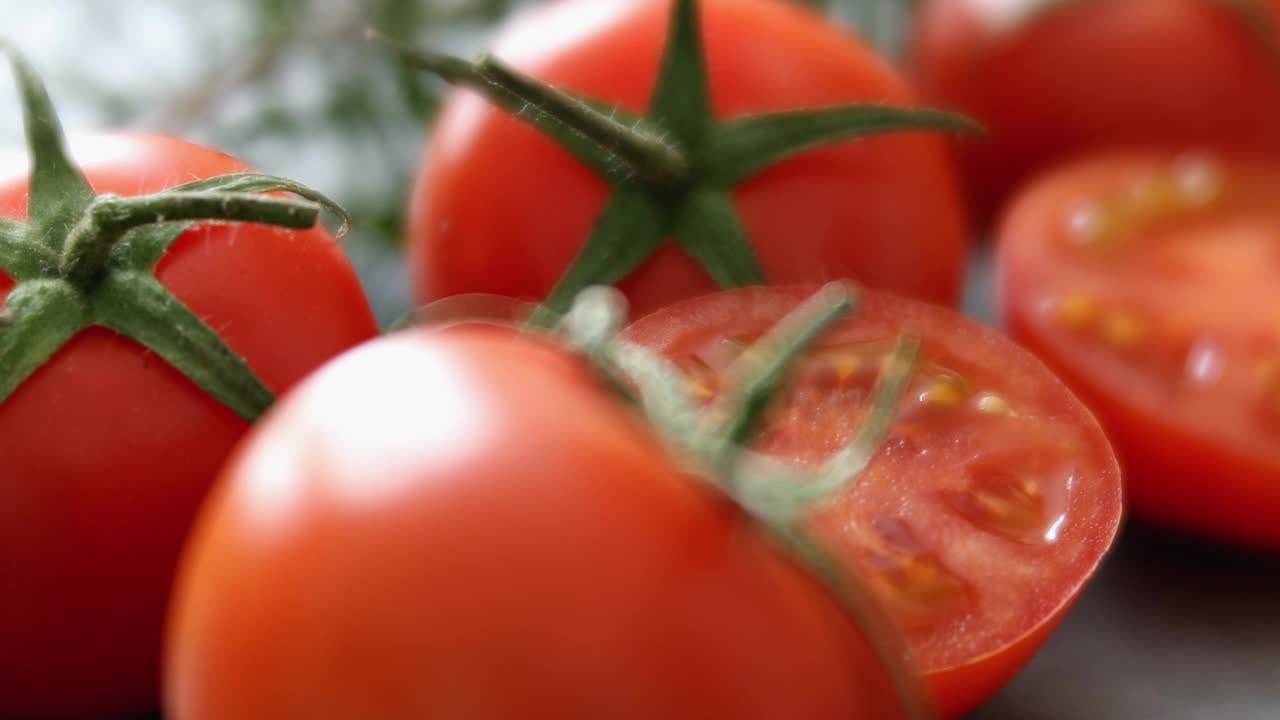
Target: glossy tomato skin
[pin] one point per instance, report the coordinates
(464, 523)
(977, 587)
(107, 451)
(1096, 75)
(498, 208)
(1199, 451)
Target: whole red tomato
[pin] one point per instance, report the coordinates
(990, 505)
(499, 208)
(465, 523)
(107, 450)
(1049, 80)
(1149, 280)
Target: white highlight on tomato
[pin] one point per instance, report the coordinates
(1198, 179)
(1205, 362)
(435, 417)
(1000, 16)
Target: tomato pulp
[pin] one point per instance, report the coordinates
(1150, 281)
(498, 208)
(466, 523)
(107, 451)
(1092, 75)
(992, 502)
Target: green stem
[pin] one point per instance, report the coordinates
(109, 217)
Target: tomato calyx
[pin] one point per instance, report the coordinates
(673, 170)
(83, 259)
(780, 498)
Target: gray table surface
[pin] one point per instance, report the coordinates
(1171, 629)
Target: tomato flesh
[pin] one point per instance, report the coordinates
(1096, 75)
(107, 450)
(1150, 281)
(989, 506)
(498, 208)
(464, 523)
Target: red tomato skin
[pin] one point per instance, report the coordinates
(462, 523)
(1167, 468)
(957, 687)
(498, 208)
(108, 451)
(1096, 76)
(1178, 474)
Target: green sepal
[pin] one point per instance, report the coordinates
(854, 458)
(467, 74)
(58, 190)
(681, 101)
(708, 228)
(22, 259)
(738, 149)
(137, 305)
(263, 183)
(640, 148)
(759, 372)
(143, 247)
(39, 317)
(93, 238)
(625, 235)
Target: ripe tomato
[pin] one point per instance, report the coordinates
(107, 450)
(990, 505)
(498, 208)
(1150, 281)
(464, 523)
(1093, 74)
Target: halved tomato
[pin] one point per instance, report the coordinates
(990, 505)
(1151, 281)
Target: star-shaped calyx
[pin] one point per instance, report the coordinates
(82, 259)
(672, 171)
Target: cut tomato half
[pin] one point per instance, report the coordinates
(990, 505)
(1151, 281)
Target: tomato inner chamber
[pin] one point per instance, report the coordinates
(1177, 287)
(961, 511)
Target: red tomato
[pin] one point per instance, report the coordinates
(1093, 74)
(1150, 281)
(992, 502)
(107, 450)
(463, 523)
(498, 208)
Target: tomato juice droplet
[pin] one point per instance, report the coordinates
(991, 403)
(1206, 362)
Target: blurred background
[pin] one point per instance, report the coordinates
(1173, 629)
(287, 85)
